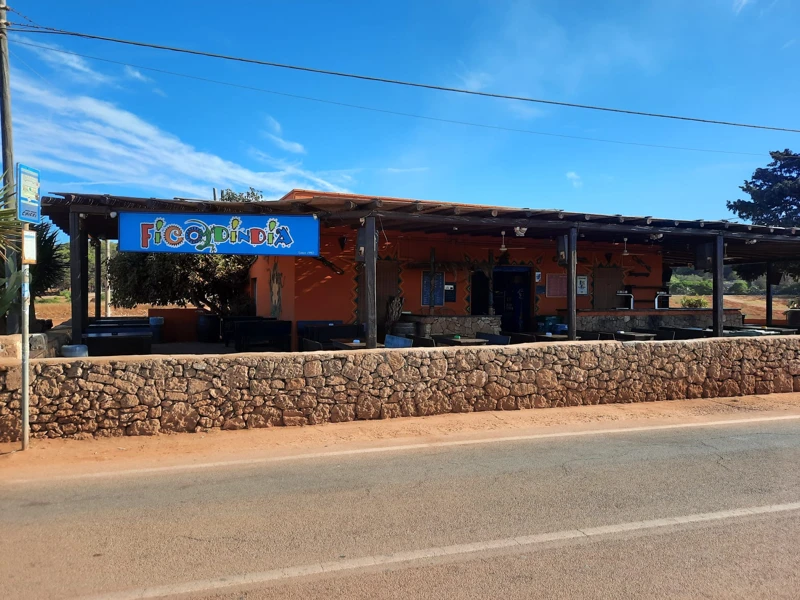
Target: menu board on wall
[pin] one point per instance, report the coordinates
(556, 285)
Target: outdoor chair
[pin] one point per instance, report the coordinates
(588, 335)
(605, 335)
(274, 334)
(493, 339)
(306, 329)
(228, 325)
(325, 333)
(422, 342)
(310, 345)
(395, 341)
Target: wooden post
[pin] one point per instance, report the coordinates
(718, 266)
(75, 277)
(572, 291)
(98, 280)
(490, 275)
(432, 296)
(770, 276)
(370, 281)
(84, 238)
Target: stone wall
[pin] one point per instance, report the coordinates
(42, 345)
(626, 322)
(464, 325)
(145, 395)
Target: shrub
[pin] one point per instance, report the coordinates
(739, 288)
(694, 302)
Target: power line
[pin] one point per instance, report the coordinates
(381, 110)
(51, 31)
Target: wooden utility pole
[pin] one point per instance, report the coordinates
(13, 321)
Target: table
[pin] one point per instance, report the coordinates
(553, 337)
(634, 336)
(451, 341)
(347, 344)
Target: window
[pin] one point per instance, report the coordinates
(438, 289)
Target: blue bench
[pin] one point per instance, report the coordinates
(395, 341)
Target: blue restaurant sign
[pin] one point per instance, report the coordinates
(195, 233)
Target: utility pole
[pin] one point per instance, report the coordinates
(12, 257)
(17, 321)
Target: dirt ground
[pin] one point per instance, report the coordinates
(59, 311)
(753, 307)
(63, 457)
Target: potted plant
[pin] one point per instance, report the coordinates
(793, 314)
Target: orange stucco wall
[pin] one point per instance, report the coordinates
(307, 289)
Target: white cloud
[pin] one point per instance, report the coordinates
(788, 44)
(576, 180)
(738, 5)
(274, 125)
(136, 74)
(75, 66)
(91, 142)
(473, 80)
(527, 52)
(407, 170)
(289, 146)
(276, 136)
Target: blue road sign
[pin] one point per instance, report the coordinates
(29, 206)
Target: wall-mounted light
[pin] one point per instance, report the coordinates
(112, 214)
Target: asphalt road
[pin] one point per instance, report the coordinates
(629, 515)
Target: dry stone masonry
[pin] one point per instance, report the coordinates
(147, 395)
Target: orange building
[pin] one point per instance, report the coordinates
(514, 274)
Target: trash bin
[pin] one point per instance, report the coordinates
(74, 350)
(208, 328)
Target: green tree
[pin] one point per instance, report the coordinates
(50, 268)
(774, 200)
(217, 283)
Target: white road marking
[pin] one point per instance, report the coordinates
(354, 564)
(400, 448)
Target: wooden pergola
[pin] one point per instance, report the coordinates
(95, 216)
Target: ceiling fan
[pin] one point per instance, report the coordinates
(503, 246)
(625, 250)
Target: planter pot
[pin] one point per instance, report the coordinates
(793, 317)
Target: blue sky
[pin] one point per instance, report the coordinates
(105, 128)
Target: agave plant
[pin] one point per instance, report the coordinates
(10, 229)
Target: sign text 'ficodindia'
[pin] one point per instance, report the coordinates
(288, 235)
